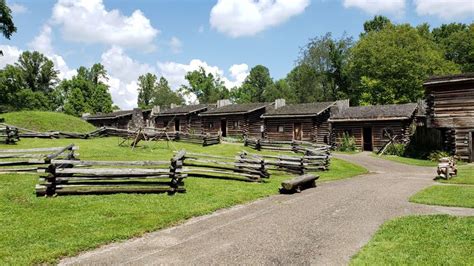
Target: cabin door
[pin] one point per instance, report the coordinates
(297, 134)
(224, 128)
(176, 125)
(367, 135)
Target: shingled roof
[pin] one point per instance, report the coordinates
(116, 114)
(449, 79)
(375, 112)
(185, 109)
(298, 110)
(235, 109)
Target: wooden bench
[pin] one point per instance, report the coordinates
(298, 183)
(447, 167)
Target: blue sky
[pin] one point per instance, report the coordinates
(169, 38)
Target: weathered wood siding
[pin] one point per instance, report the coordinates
(255, 124)
(315, 129)
(450, 106)
(400, 128)
(272, 124)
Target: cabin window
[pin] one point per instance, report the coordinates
(235, 125)
(281, 129)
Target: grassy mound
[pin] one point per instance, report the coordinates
(47, 121)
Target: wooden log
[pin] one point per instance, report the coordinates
(110, 163)
(34, 150)
(298, 183)
(111, 171)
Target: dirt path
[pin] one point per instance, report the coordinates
(326, 225)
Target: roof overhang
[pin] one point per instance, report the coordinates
(233, 113)
(368, 119)
(447, 81)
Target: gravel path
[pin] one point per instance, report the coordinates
(325, 225)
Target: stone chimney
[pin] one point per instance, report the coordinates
(155, 110)
(223, 102)
(173, 105)
(280, 103)
(342, 104)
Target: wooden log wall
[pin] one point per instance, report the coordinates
(255, 124)
(400, 128)
(451, 107)
(308, 128)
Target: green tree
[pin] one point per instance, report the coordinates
(457, 41)
(93, 92)
(206, 87)
(378, 23)
(75, 104)
(280, 90)
(304, 82)
(101, 100)
(146, 90)
(390, 65)
(254, 85)
(37, 71)
(6, 21)
(164, 96)
(328, 57)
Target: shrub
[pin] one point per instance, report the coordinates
(436, 155)
(395, 149)
(348, 143)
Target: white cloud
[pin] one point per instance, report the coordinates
(123, 75)
(377, 6)
(175, 72)
(10, 55)
(43, 44)
(176, 45)
(446, 9)
(18, 9)
(87, 21)
(248, 17)
(238, 73)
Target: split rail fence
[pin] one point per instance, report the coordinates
(75, 177)
(29, 160)
(9, 135)
(240, 167)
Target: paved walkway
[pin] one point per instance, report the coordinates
(325, 225)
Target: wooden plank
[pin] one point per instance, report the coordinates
(111, 171)
(110, 163)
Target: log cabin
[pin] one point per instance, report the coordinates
(305, 121)
(372, 126)
(124, 119)
(235, 120)
(181, 118)
(450, 108)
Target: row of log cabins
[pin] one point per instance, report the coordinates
(449, 108)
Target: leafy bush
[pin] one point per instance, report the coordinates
(395, 149)
(348, 143)
(436, 155)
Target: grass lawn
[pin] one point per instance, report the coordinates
(421, 240)
(456, 196)
(35, 230)
(46, 121)
(405, 160)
